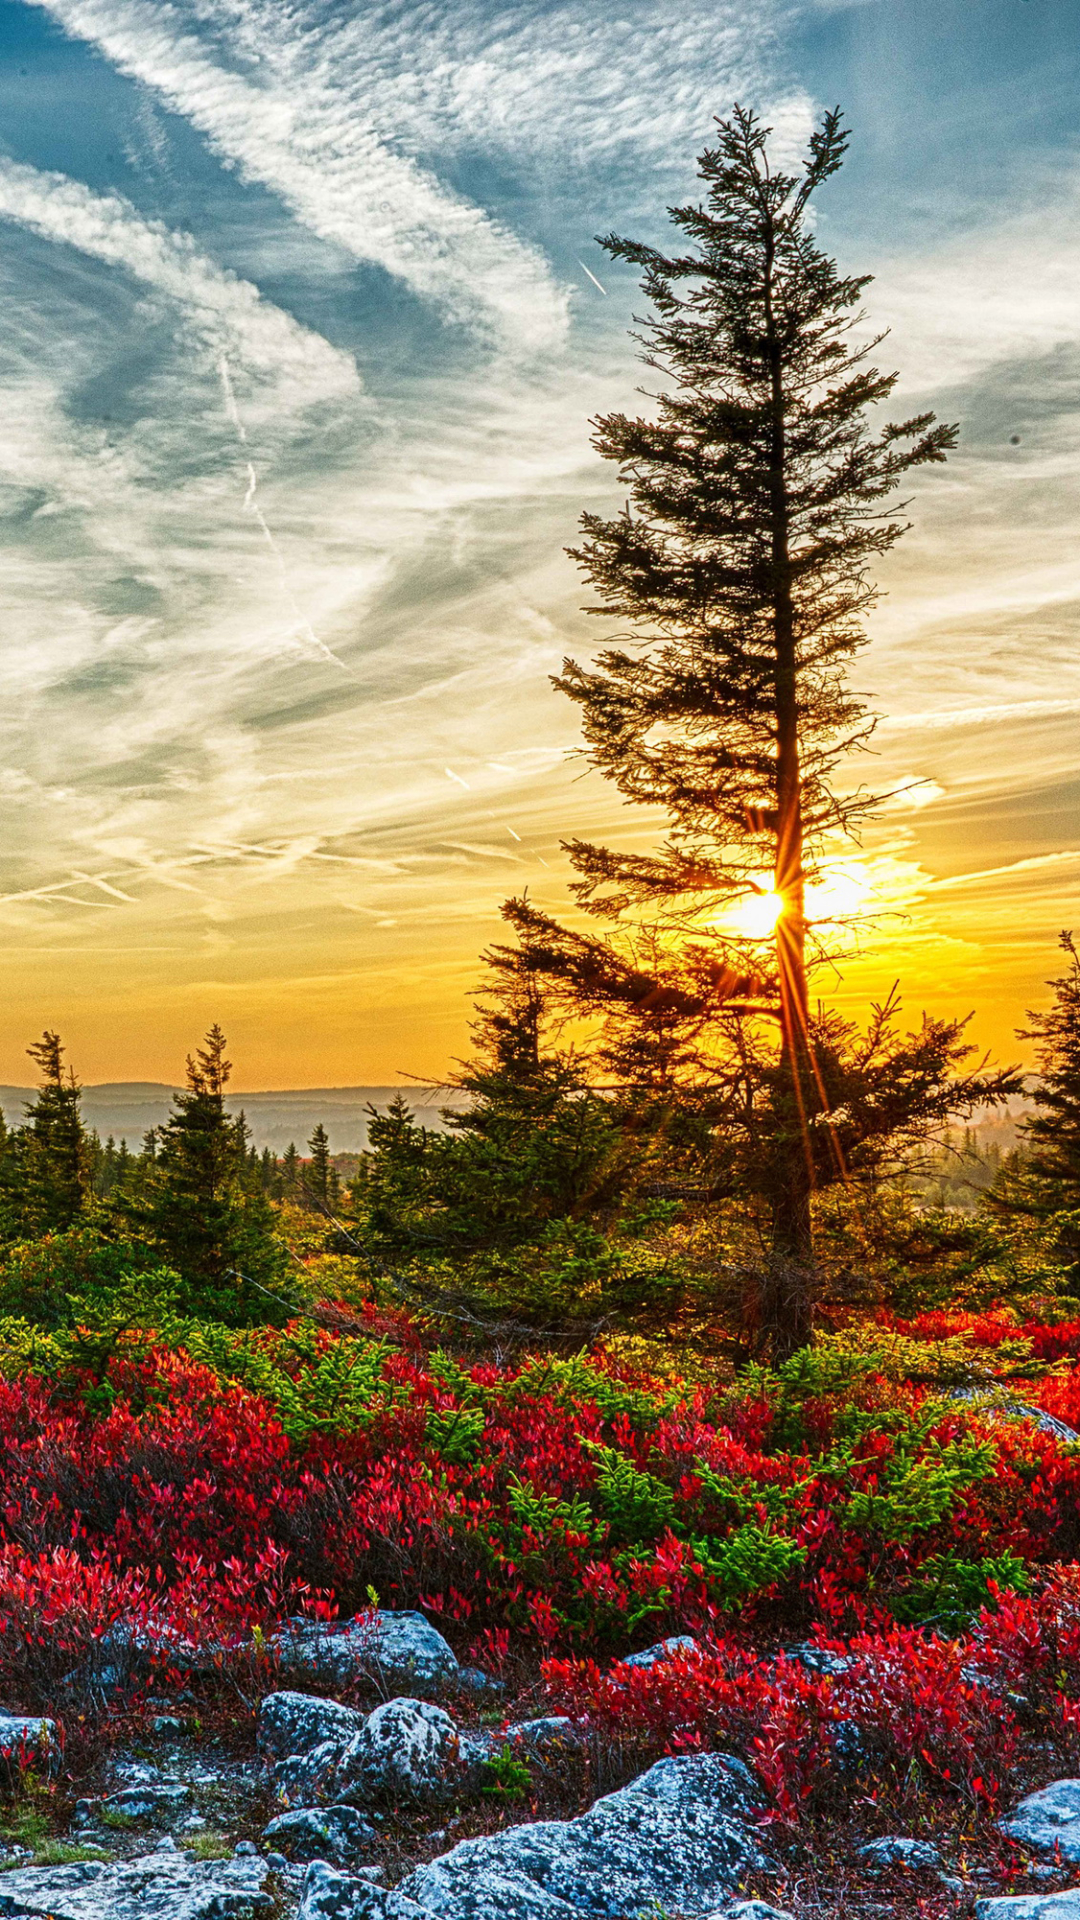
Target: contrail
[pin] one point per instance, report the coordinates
(231, 407)
(251, 505)
(593, 278)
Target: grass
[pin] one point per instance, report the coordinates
(55, 1853)
(209, 1846)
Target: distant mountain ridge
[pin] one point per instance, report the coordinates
(127, 1109)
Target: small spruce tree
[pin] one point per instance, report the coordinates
(47, 1166)
(196, 1206)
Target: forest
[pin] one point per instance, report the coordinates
(706, 1327)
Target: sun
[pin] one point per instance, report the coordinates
(755, 917)
(838, 894)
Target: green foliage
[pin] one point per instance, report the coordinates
(917, 1490)
(80, 1275)
(637, 1504)
(749, 1560)
(455, 1431)
(506, 1778)
(950, 1590)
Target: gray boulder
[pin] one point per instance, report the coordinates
(663, 1650)
(156, 1802)
(27, 1734)
(337, 1834)
(748, 1910)
(405, 1750)
(1001, 1405)
(164, 1885)
(329, 1895)
(1049, 1820)
(819, 1659)
(1031, 1906)
(307, 1777)
(387, 1647)
(895, 1850)
(680, 1838)
(298, 1722)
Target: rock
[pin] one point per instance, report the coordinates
(305, 1777)
(748, 1910)
(405, 1750)
(475, 1680)
(26, 1733)
(165, 1885)
(679, 1838)
(1049, 1819)
(1031, 1906)
(298, 1722)
(551, 1733)
(664, 1650)
(329, 1895)
(896, 1851)
(545, 1739)
(389, 1647)
(154, 1801)
(999, 1402)
(819, 1659)
(337, 1834)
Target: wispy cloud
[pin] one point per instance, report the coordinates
(221, 312)
(312, 141)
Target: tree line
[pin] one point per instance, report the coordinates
(658, 1105)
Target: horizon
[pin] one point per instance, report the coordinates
(297, 432)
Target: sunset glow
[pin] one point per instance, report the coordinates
(296, 435)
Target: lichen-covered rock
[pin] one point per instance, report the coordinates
(156, 1801)
(405, 1750)
(896, 1850)
(337, 1834)
(1031, 1906)
(819, 1659)
(298, 1722)
(164, 1885)
(551, 1733)
(305, 1778)
(748, 1910)
(395, 1648)
(1049, 1819)
(329, 1895)
(26, 1736)
(679, 1838)
(663, 1650)
(1000, 1404)
(545, 1740)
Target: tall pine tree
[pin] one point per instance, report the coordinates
(757, 500)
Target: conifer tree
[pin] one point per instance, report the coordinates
(47, 1164)
(196, 1207)
(1045, 1183)
(318, 1170)
(757, 501)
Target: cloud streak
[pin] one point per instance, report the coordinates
(221, 312)
(312, 142)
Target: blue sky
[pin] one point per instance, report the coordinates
(298, 365)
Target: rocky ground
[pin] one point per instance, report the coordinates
(414, 1808)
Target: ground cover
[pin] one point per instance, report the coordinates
(874, 1549)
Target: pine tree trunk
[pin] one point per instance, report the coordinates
(788, 1295)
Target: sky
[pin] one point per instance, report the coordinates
(305, 321)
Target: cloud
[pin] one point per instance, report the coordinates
(225, 314)
(312, 142)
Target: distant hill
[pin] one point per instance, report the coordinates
(127, 1109)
